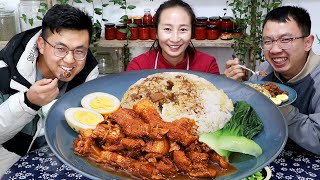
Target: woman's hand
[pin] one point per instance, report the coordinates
(232, 71)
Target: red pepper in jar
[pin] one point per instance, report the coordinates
(201, 20)
(133, 28)
(121, 35)
(215, 20)
(137, 20)
(109, 31)
(153, 33)
(212, 32)
(226, 23)
(144, 33)
(147, 18)
(200, 32)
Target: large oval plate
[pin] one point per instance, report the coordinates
(292, 94)
(60, 136)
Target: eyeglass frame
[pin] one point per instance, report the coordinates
(276, 40)
(67, 52)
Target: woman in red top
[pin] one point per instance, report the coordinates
(173, 48)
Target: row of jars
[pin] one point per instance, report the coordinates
(118, 32)
(145, 32)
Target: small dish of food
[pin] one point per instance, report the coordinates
(280, 94)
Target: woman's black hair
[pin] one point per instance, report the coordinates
(61, 17)
(170, 4)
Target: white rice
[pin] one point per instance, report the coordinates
(194, 98)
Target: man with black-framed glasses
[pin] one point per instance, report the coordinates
(287, 47)
(36, 67)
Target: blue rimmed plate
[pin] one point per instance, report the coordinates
(271, 139)
(292, 94)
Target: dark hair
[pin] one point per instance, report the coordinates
(298, 14)
(61, 17)
(170, 4)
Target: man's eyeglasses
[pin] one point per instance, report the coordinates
(283, 43)
(61, 51)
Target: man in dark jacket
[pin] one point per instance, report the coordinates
(36, 67)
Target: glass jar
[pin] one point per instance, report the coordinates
(30, 9)
(110, 31)
(226, 35)
(226, 23)
(212, 32)
(121, 35)
(137, 20)
(200, 32)
(153, 33)
(147, 18)
(128, 20)
(201, 20)
(133, 28)
(144, 33)
(7, 23)
(215, 20)
(106, 63)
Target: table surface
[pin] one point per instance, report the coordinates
(292, 163)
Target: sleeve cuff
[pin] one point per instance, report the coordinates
(29, 104)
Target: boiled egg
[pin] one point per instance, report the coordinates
(283, 97)
(276, 101)
(81, 118)
(101, 102)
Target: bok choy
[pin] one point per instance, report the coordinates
(236, 135)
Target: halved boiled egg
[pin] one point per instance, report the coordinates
(277, 101)
(82, 118)
(283, 97)
(101, 102)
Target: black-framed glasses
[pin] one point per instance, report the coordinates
(283, 43)
(61, 51)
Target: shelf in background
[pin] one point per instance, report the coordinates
(148, 43)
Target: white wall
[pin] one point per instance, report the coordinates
(201, 8)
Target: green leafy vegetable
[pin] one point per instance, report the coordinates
(256, 176)
(236, 135)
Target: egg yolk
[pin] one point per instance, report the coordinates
(101, 103)
(87, 118)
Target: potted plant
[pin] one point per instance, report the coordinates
(249, 16)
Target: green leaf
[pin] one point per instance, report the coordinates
(77, 1)
(239, 144)
(131, 7)
(124, 17)
(105, 5)
(123, 30)
(24, 18)
(30, 21)
(98, 11)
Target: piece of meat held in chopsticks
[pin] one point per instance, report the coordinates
(133, 126)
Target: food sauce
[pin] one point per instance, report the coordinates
(122, 173)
